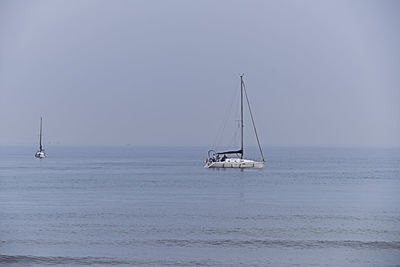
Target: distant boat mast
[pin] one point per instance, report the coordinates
(241, 115)
(40, 138)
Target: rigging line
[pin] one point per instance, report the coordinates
(236, 124)
(252, 120)
(234, 139)
(222, 127)
(236, 129)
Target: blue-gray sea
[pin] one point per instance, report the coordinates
(158, 206)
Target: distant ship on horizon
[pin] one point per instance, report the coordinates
(40, 154)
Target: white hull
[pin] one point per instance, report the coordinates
(235, 163)
(40, 155)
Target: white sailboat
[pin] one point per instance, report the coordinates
(40, 153)
(223, 159)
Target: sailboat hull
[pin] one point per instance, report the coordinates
(40, 155)
(235, 163)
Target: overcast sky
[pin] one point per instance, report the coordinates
(161, 72)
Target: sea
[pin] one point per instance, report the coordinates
(158, 206)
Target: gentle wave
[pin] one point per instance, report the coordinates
(29, 260)
(20, 259)
(298, 244)
(255, 243)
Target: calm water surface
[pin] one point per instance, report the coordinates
(159, 206)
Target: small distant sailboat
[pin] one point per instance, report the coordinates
(215, 160)
(40, 154)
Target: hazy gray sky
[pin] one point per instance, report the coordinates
(154, 72)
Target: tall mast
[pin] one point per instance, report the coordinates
(241, 115)
(40, 140)
(254, 125)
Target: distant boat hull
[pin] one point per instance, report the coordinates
(40, 155)
(235, 163)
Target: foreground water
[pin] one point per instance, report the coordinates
(159, 206)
